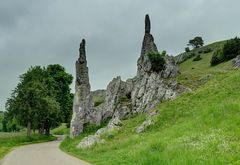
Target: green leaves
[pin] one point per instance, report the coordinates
(196, 42)
(230, 50)
(39, 97)
(157, 61)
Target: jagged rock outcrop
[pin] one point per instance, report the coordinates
(151, 87)
(148, 45)
(117, 102)
(137, 95)
(82, 105)
(87, 142)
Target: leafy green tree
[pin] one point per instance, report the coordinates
(4, 124)
(33, 102)
(63, 81)
(187, 49)
(231, 48)
(196, 42)
(1, 119)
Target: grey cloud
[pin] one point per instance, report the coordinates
(46, 32)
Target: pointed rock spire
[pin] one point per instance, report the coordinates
(148, 45)
(82, 99)
(82, 52)
(147, 24)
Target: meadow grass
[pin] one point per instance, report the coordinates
(61, 130)
(10, 140)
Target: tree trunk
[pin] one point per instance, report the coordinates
(47, 131)
(29, 129)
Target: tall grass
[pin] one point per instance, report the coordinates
(10, 140)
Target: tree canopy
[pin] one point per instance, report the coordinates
(196, 42)
(37, 101)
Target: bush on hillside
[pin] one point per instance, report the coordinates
(157, 60)
(197, 58)
(207, 50)
(218, 57)
(187, 49)
(231, 48)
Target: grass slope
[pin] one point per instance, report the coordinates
(200, 127)
(61, 130)
(10, 140)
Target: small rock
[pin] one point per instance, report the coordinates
(236, 62)
(148, 122)
(88, 141)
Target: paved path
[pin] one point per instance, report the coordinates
(41, 154)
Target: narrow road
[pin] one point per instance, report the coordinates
(41, 154)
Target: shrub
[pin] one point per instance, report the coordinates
(217, 57)
(98, 102)
(191, 55)
(207, 50)
(187, 49)
(231, 48)
(157, 61)
(197, 58)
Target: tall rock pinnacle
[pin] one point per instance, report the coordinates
(82, 99)
(148, 45)
(147, 24)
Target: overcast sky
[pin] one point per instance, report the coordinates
(34, 32)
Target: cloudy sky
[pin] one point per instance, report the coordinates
(49, 31)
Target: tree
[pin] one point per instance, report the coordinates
(196, 42)
(231, 48)
(187, 49)
(33, 102)
(64, 97)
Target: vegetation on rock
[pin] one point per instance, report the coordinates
(157, 61)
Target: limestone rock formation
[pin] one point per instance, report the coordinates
(151, 87)
(125, 98)
(82, 105)
(236, 62)
(89, 141)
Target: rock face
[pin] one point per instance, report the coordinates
(124, 98)
(148, 45)
(236, 62)
(151, 87)
(82, 104)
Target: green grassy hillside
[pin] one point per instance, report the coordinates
(200, 127)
